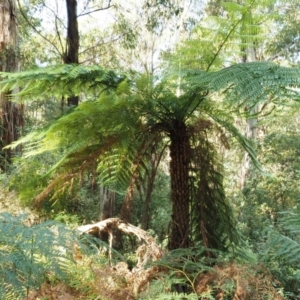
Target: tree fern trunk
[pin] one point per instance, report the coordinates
(11, 116)
(180, 152)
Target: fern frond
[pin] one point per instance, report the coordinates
(290, 221)
(251, 83)
(59, 81)
(28, 254)
(284, 248)
(210, 210)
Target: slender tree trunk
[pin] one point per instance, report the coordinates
(11, 114)
(180, 152)
(71, 55)
(107, 203)
(145, 219)
(154, 161)
(250, 133)
(127, 207)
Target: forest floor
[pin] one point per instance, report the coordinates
(119, 282)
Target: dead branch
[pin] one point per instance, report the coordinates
(148, 250)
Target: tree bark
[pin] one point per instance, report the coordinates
(180, 152)
(252, 123)
(71, 55)
(145, 219)
(107, 203)
(11, 114)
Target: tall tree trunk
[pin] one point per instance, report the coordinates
(250, 133)
(127, 207)
(180, 152)
(249, 55)
(71, 55)
(11, 114)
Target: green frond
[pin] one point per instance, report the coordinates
(119, 165)
(223, 39)
(115, 169)
(245, 143)
(290, 222)
(251, 83)
(219, 113)
(284, 248)
(31, 253)
(211, 214)
(60, 80)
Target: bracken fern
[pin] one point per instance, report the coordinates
(31, 254)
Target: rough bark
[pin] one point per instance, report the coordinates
(180, 152)
(11, 114)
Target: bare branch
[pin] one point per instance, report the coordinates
(286, 48)
(97, 9)
(145, 252)
(37, 31)
(103, 43)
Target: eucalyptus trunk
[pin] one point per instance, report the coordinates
(11, 116)
(71, 55)
(180, 153)
(249, 55)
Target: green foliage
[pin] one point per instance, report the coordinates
(275, 190)
(49, 252)
(285, 41)
(209, 205)
(280, 251)
(183, 266)
(124, 118)
(251, 83)
(160, 210)
(29, 179)
(191, 274)
(231, 32)
(30, 255)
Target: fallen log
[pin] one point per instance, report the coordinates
(149, 250)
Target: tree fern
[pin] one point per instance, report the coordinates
(121, 114)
